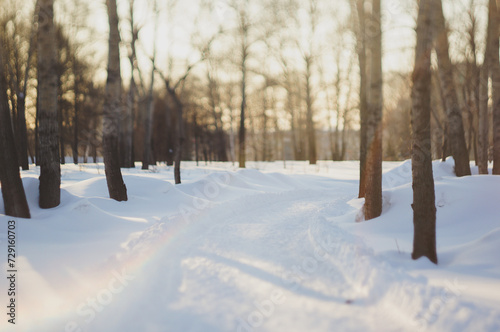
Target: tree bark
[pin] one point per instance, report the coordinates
(13, 194)
(483, 132)
(495, 77)
(112, 110)
(373, 176)
(456, 134)
(358, 6)
(148, 125)
(179, 144)
(50, 170)
(424, 208)
(22, 134)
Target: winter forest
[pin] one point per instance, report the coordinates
(250, 165)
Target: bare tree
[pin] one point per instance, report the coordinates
(455, 132)
(112, 110)
(13, 194)
(424, 208)
(50, 169)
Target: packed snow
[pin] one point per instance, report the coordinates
(266, 248)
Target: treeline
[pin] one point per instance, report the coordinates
(281, 112)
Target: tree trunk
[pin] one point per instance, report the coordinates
(373, 176)
(77, 110)
(112, 111)
(148, 126)
(22, 135)
(311, 135)
(456, 134)
(363, 97)
(424, 208)
(242, 131)
(13, 194)
(128, 128)
(50, 170)
(180, 140)
(196, 134)
(170, 138)
(60, 119)
(495, 77)
(127, 132)
(37, 125)
(483, 132)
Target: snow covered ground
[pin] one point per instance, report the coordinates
(260, 249)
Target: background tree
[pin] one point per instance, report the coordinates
(148, 120)
(424, 208)
(112, 110)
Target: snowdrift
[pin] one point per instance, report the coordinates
(260, 249)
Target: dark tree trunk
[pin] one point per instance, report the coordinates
(13, 194)
(242, 131)
(148, 128)
(37, 117)
(180, 140)
(50, 170)
(112, 110)
(424, 209)
(456, 134)
(373, 176)
(170, 137)
(128, 128)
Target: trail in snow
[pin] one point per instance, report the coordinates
(245, 251)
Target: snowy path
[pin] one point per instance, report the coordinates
(249, 251)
